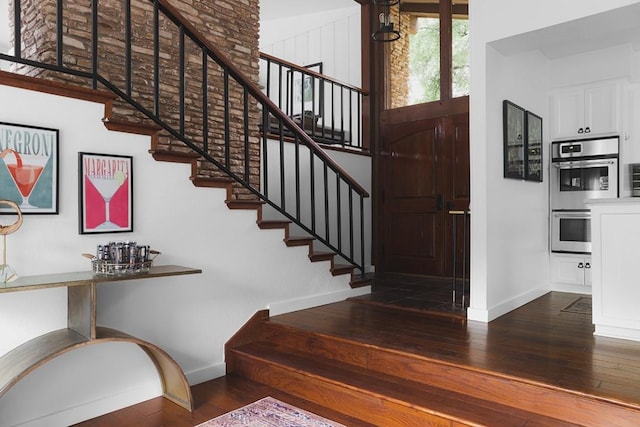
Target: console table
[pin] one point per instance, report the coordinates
(82, 330)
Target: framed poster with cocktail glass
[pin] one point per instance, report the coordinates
(106, 193)
(29, 168)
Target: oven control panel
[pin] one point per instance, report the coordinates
(584, 149)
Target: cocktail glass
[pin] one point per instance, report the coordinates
(107, 187)
(25, 172)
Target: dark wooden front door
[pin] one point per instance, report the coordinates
(424, 174)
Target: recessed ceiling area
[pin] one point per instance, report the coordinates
(600, 31)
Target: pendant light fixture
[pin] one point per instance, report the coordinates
(387, 31)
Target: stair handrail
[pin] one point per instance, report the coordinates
(302, 69)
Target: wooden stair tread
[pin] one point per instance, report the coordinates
(359, 281)
(339, 269)
(416, 397)
(244, 204)
(135, 127)
(316, 256)
(298, 240)
(273, 224)
(174, 156)
(414, 365)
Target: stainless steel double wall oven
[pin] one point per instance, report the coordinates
(581, 169)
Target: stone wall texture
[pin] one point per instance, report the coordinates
(398, 66)
(230, 26)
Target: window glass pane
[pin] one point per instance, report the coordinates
(575, 230)
(424, 61)
(413, 69)
(595, 178)
(460, 61)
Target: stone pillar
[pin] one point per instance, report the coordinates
(398, 66)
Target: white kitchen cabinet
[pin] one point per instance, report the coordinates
(586, 111)
(615, 231)
(569, 269)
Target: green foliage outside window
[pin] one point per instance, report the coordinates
(424, 60)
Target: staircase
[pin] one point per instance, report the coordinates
(391, 387)
(213, 124)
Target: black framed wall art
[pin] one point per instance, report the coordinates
(29, 168)
(105, 193)
(522, 143)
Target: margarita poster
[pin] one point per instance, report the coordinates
(105, 193)
(29, 167)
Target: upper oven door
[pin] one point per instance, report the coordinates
(574, 181)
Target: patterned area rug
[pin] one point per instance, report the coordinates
(582, 305)
(269, 412)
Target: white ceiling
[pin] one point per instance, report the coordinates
(275, 9)
(612, 28)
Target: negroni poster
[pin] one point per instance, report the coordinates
(106, 187)
(29, 167)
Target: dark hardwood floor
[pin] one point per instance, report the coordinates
(424, 294)
(538, 341)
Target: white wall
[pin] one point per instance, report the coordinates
(244, 270)
(517, 210)
(331, 37)
(508, 271)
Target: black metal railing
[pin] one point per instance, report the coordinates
(218, 114)
(327, 109)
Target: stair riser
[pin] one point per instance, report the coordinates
(351, 401)
(489, 386)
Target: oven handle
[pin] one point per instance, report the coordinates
(582, 163)
(571, 215)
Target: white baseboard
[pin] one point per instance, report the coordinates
(617, 332)
(88, 410)
(572, 289)
(504, 307)
(206, 374)
(316, 300)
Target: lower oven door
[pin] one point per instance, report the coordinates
(571, 232)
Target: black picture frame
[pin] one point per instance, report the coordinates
(533, 154)
(306, 92)
(105, 193)
(523, 145)
(514, 140)
(29, 158)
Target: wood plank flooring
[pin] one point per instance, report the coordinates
(538, 341)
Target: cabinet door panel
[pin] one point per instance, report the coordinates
(601, 109)
(568, 113)
(567, 270)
